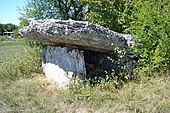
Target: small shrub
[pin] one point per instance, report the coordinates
(117, 68)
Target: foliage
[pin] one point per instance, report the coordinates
(107, 13)
(150, 20)
(34, 44)
(16, 34)
(60, 9)
(117, 67)
(7, 28)
(125, 66)
(24, 22)
(1, 29)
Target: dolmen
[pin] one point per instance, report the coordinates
(71, 45)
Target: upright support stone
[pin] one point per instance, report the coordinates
(61, 64)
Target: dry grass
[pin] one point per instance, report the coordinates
(37, 94)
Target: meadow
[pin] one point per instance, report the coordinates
(24, 89)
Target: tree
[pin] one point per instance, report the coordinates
(9, 27)
(58, 9)
(107, 13)
(1, 29)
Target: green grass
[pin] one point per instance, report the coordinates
(10, 50)
(35, 94)
(4, 38)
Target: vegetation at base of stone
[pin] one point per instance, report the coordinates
(117, 67)
(133, 96)
(35, 44)
(149, 21)
(26, 62)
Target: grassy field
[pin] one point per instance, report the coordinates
(35, 94)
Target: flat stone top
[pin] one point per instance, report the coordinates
(80, 34)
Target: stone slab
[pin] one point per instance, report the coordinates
(81, 34)
(62, 64)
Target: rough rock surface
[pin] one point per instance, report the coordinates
(81, 34)
(61, 64)
(130, 39)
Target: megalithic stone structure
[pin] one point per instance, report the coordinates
(66, 40)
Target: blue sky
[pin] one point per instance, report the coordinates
(8, 11)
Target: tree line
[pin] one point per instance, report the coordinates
(7, 28)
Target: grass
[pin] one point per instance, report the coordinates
(10, 50)
(4, 38)
(17, 60)
(34, 93)
(37, 94)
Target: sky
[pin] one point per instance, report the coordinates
(9, 11)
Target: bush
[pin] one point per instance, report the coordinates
(150, 23)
